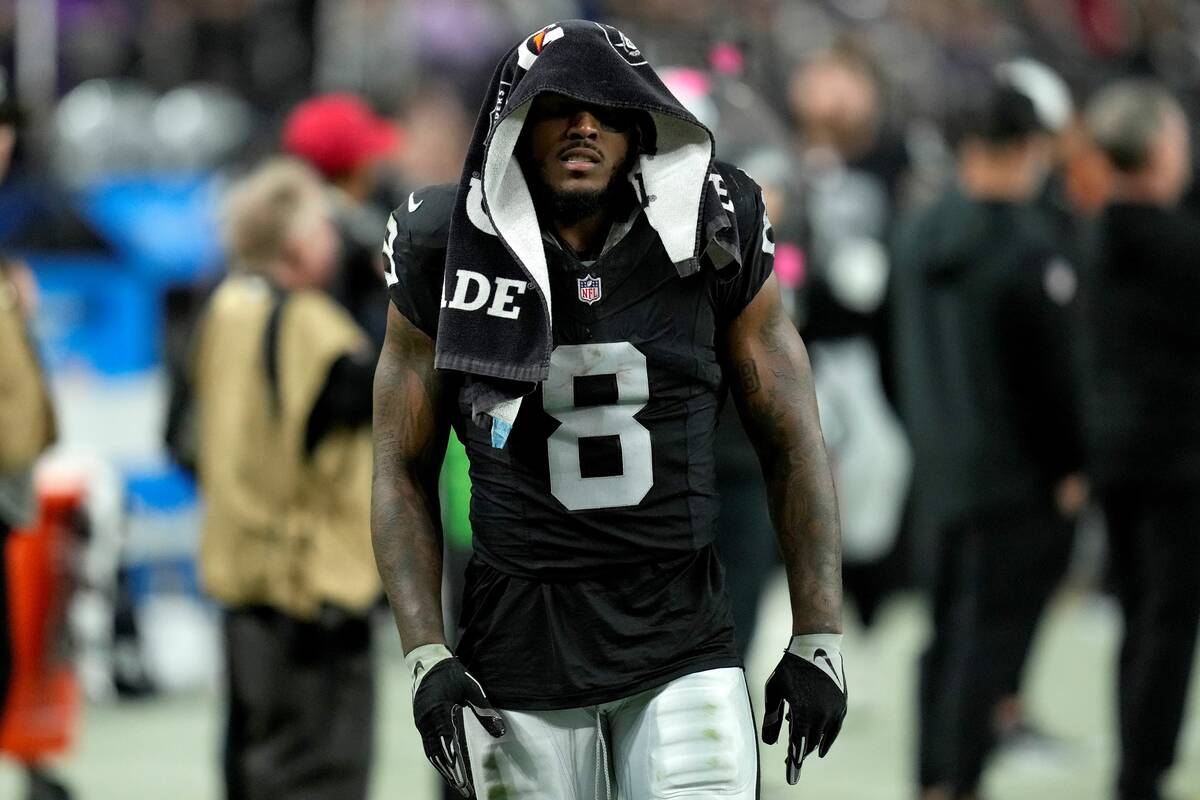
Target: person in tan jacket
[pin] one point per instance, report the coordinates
(27, 429)
(282, 380)
(27, 425)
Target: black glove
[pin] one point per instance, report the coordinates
(811, 680)
(438, 704)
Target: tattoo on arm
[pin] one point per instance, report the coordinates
(775, 396)
(411, 428)
(748, 377)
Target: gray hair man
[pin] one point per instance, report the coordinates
(1143, 414)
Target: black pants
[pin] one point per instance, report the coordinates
(301, 707)
(993, 578)
(870, 583)
(1154, 542)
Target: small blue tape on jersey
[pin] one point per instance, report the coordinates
(500, 431)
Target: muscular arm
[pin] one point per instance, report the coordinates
(411, 428)
(772, 385)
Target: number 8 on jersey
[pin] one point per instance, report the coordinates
(621, 366)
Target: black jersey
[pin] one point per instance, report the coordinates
(608, 474)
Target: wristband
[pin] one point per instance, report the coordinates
(805, 645)
(822, 650)
(422, 659)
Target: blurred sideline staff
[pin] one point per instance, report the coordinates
(983, 320)
(27, 427)
(282, 378)
(855, 170)
(1067, 204)
(344, 140)
(1143, 414)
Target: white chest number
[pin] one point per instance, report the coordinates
(627, 366)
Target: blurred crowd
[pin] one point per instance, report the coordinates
(894, 140)
(117, 84)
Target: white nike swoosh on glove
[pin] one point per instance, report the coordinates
(825, 662)
(823, 651)
(413, 203)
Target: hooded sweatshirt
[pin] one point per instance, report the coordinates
(983, 326)
(1143, 312)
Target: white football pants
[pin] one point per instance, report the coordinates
(692, 738)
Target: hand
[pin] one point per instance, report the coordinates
(810, 678)
(441, 693)
(1071, 495)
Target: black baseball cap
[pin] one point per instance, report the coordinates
(1019, 99)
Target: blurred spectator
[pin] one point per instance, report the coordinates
(1067, 208)
(983, 320)
(853, 168)
(1144, 415)
(347, 143)
(1076, 189)
(1076, 192)
(283, 378)
(27, 425)
(837, 100)
(436, 130)
(26, 415)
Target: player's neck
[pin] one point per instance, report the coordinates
(587, 235)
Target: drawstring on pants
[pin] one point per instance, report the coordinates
(601, 761)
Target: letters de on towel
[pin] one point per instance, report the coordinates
(473, 290)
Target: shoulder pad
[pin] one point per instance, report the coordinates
(745, 194)
(424, 218)
(414, 249)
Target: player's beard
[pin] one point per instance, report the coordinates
(568, 207)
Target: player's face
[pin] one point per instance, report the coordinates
(574, 147)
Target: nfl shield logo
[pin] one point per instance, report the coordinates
(589, 289)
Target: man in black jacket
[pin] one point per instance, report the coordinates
(982, 330)
(1143, 415)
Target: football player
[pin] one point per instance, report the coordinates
(597, 654)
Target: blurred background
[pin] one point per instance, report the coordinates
(132, 116)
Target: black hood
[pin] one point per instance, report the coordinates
(495, 226)
(591, 62)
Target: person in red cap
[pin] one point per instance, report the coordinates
(344, 140)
